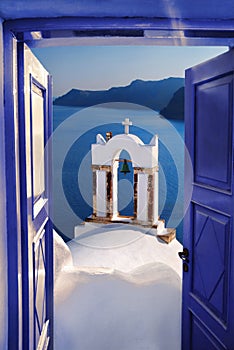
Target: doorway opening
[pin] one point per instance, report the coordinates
(83, 85)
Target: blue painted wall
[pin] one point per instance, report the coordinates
(3, 245)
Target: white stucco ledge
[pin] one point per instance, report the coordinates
(122, 247)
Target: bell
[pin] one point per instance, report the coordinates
(125, 168)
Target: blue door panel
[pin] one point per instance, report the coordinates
(39, 284)
(208, 286)
(210, 261)
(202, 339)
(213, 140)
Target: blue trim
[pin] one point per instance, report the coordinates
(33, 81)
(212, 30)
(31, 146)
(73, 23)
(38, 221)
(37, 256)
(23, 198)
(11, 197)
(189, 138)
(49, 251)
(34, 294)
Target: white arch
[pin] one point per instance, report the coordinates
(145, 163)
(144, 156)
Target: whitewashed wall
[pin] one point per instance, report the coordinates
(3, 240)
(142, 199)
(101, 193)
(142, 155)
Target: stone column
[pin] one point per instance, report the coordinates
(94, 192)
(153, 195)
(142, 198)
(109, 203)
(150, 195)
(115, 189)
(102, 191)
(101, 203)
(156, 196)
(146, 195)
(135, 192)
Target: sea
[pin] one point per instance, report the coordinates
(75, 130)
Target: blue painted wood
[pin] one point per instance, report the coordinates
(58, 31)
(202, 339)
(219, 140)
(39, 263)
(115, 8)
(42, 252)
(23, 198)
(49, 238)
(65, 23)
(43, 90)
(119, 8)
(11, 210)
(208, 286)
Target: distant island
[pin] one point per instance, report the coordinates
(175, 108)
(166, 96)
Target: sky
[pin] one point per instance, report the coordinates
(101, 67)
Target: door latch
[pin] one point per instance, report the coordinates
(184, 255)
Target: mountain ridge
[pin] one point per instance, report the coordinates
(155, 94)
(175, 108)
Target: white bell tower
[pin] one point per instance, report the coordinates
(105, 163)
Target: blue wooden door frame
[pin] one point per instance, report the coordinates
(19, 27)
(195, 32)
(11, 207)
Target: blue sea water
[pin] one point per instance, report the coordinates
(75, 131)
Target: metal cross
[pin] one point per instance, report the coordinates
(126, 124)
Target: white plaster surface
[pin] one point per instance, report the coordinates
(122, 247)
(3, 236)
(115, 188)
(62, 254)
(123, 292)
(142, 197)
(155, 204)
(101, 193)
(141, 155)
(105, 309)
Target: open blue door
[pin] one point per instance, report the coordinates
(208, 284)
(34, 88)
